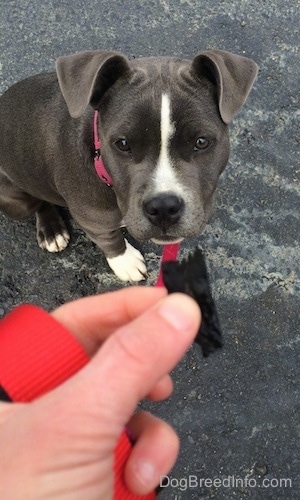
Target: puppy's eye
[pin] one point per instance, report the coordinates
(123, 145)
(201, 143)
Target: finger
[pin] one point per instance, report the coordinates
(102, 397)
(162, 389)
(154, 452)
(133, 360)
(6, 410)
(92, 319)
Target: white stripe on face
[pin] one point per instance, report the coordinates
(164, 175)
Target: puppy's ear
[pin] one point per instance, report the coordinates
(84, 77)
(233, 75)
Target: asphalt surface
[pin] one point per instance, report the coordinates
(238, 412)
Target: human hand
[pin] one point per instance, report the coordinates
(62, 444)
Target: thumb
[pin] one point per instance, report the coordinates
(135, 358)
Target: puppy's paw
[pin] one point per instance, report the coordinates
(130, 266)
(53, 242)
(51, 231)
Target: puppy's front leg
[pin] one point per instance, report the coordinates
(129, 265)
(126, 261)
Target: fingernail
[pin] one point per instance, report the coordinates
(178, 311)
(145, 472)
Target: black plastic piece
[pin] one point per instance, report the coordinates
(191, 277)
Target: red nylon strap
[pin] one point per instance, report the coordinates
(36, 355)
(98, 163)
(170, 252)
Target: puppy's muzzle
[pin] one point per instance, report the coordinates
(163, 210)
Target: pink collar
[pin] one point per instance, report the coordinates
(98, 163)
(169, 251)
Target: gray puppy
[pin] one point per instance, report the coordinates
(163, 124)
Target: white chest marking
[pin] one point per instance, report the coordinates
(164, 175)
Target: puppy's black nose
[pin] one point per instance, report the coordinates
(163, 210)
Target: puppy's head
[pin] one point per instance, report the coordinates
(164, 131)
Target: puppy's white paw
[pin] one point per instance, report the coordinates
(130, 266)
(55, 243)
